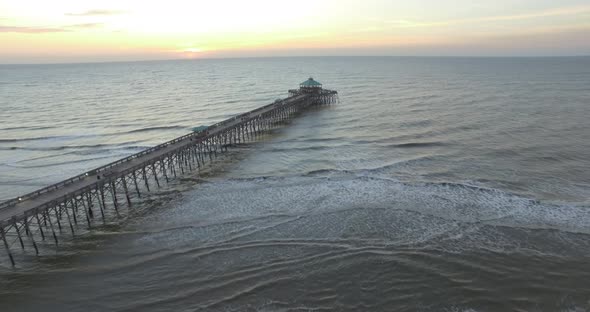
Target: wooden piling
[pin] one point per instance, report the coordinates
(31, 236)
(155, 174)
(46, 213)
(124, 180)
(20, 239)
(6, 245)
(69, 219)
(114, 196)
(57, 218)
(135, 182)
(74, 210)
(145, 180)
(39, 225)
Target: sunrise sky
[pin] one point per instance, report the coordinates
(79, 31)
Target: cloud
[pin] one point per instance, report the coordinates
(568, 11)
(539, 14)
(45, 30)
(97, 13)
(85, 26)
(31, 30)
(413, 24)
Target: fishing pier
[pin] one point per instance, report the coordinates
(46, 215)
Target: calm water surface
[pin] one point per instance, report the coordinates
(437, 184)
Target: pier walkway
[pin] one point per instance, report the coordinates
(55, 208)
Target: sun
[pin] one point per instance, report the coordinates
(192, 50)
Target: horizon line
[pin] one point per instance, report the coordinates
(301, 56)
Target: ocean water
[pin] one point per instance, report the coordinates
(436, 184)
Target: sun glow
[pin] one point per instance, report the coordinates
(192, 50)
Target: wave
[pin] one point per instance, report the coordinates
(416, 123)
(324, 140)
(300, 149)
(73, 137)
(27, 128)
(327, 191)
(384, 170)
(52, 164)
(151, 129)
(100, 147)
(53, 148)
(418, 144)
(33, 139)
(320, 172)
(249, 231)
(54, 137)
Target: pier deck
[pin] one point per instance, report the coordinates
(32, 213)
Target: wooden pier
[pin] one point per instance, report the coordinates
(80, 201)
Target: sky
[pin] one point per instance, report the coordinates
(57, 31)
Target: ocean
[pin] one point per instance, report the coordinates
(436, 184)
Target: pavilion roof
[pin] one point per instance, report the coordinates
(310, 83)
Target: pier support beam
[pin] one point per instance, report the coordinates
(46, 213)
(163, 167)
(65, 207)
(74, 207)
(20, 239)
(155, 174)
(114, 195)
(31, 236)
(86, 212)
(145, 180)
(3, 234)
(124, 180)
(39, 225)
(56, 217)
